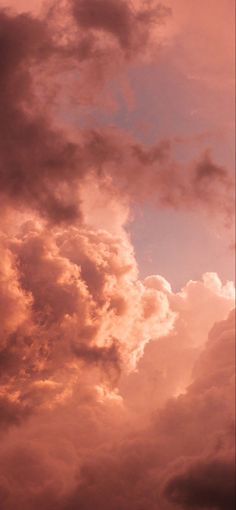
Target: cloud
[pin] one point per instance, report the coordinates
(66, 361)
(110, 394)
(179, 456)
(44, 165)
(32, 153)
(194, 484)
(205, 484)
(129, 26)
(75, 303)
(165, 369)
(14, 301)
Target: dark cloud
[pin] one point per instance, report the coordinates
(96, 355)
(33, 155)
(151, 173)
(209, 483)
(119, 18)
(12, 412)
(113, 17)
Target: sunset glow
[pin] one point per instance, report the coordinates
(117, 255)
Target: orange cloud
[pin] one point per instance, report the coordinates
(115, 392)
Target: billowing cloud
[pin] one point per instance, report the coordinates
(168, 363)
(170, 463)
(66, 374)
(74, 300)
(115, 391)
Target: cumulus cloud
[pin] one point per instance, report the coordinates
(109, 390)
(67, 386)
(74, 300)
(166, 367)
(144, 472)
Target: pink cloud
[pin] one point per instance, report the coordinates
(114, 392)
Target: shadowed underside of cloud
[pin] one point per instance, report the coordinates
(209, 483)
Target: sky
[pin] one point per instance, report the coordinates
(117, 255)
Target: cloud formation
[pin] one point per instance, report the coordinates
(42, 164)
(83, 323)
(72, 299)
(113, 393)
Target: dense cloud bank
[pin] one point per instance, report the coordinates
(113, 393)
